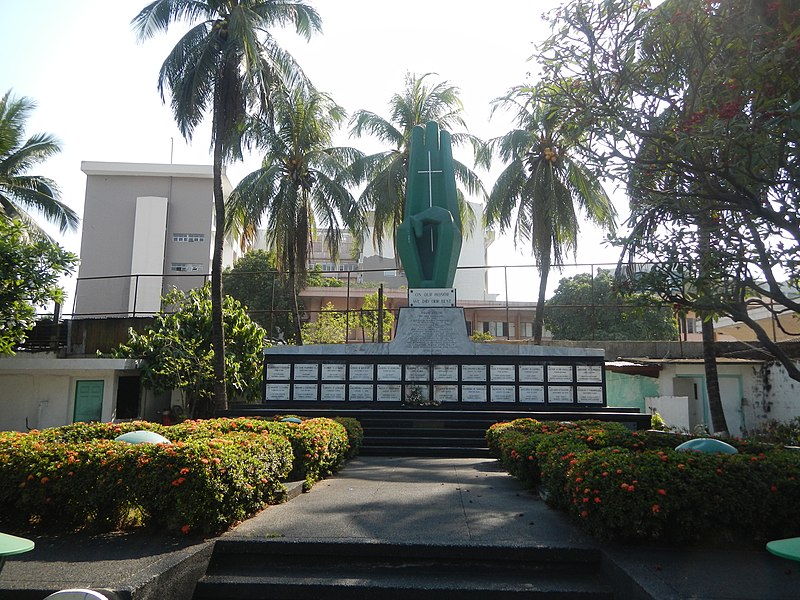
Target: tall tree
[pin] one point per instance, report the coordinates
(694, 106)
(384, 173)
(227, 63)
(543, 186)
(20, 192)
(301, 187)
(29, 273)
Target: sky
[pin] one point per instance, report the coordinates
(95, 85)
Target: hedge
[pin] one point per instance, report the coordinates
(215, 473)
(619, 484)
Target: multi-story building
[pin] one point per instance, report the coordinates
(146, 228)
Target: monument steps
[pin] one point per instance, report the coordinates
(275, 569)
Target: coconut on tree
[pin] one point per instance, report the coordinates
(543, 187)
(229, 65)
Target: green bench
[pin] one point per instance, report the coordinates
(788, 548)
(10, 545)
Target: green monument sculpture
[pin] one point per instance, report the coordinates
(429, 238)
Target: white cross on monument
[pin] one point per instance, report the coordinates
(430, 173)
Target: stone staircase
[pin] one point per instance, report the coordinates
(444, 432)
(299, 570)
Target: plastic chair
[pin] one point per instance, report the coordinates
(76, 595)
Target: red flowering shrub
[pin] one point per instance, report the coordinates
(634, 485)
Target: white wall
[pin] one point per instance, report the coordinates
(781, 395)
(147, 254)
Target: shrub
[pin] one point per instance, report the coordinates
(634, 485)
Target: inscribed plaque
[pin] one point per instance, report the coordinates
(531, 393)
(473, 393)
(559, 373)
(332, 392)
(502, 372)
(390, 372)
(503, 393)
(389, 392)
(473, 373)
(278, 391)
(333, 371)
(445, 372)
(419, 297)
(445, 393)
(305, 391)
(590, 394)
(306, 371)
(532, 373)
(361, 392)
(417, 373)
(589, 374)
(279, 371)
(559, 394)
(359, 372)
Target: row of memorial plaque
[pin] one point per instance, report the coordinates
(367, 392)
(422, 373)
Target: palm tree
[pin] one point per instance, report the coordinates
(301, 186)
(227, 63)
(20, 192)
(541, 186)
(385, 172)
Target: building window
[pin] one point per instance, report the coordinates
(496, 328)
(186, 267)
(392, 273)
(526, 329)
(188, 237)
(694, 325)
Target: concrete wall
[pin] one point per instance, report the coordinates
(780, 393)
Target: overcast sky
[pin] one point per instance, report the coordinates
(95, 86)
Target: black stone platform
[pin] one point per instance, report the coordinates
(448, 431)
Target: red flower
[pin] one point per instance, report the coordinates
(656, 509)
(185, 530)
(662, 492)
(184, 471)
(773, 488)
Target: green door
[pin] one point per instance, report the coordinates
(88, 401)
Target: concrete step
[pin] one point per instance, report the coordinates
(431, 452)
(291, 570)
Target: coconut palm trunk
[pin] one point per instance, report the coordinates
(217, 324)
(538, 321)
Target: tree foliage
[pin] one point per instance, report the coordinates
(21, 192)
(695, 107)
(29, 274)
(255, 282)
(384, 173)
(543, 187)
(330, 327)
(369, 321)
(587, 307)
(177, 353)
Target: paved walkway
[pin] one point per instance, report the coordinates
(428, 500)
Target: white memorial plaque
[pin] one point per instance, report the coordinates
(473, 393)
(502, 393)
(502, 372)
(559, 394)
(305, 391)
(332, 392)
(390, 372)
(425, 297)
(389, 392)
(531, 393)
(361, 392)
(278, 391)
(333, 371)
(445, 393)
(589, 374)
(473, 373)
(445, 372)
(306, 371)
(559, 373)
(417, 373)
(359, 372)
(279, 371)
(531, 373)
(590, 394)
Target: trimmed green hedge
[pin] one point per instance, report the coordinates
(620, 484)
(215, 473)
